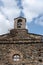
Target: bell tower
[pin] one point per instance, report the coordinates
(19, 23)
(19, 27)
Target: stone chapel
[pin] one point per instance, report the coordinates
(20, 47)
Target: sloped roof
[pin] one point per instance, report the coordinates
(21, 36)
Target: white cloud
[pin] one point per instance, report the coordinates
(4, 24)
(9, 3)
(32, 8)
(8, 12)
(10, 9)
(11, 13)
(39, 21)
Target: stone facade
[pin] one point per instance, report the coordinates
(21, 48)
(30, 54)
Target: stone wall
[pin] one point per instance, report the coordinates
(30, 54)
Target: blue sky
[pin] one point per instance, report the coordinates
(32, 10)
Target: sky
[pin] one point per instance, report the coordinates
(32, 10)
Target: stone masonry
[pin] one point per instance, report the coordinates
(20, 47)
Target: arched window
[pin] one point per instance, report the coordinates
(19, 23)
(16, 57)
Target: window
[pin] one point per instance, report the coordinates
(19, 23)
(16, 57)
